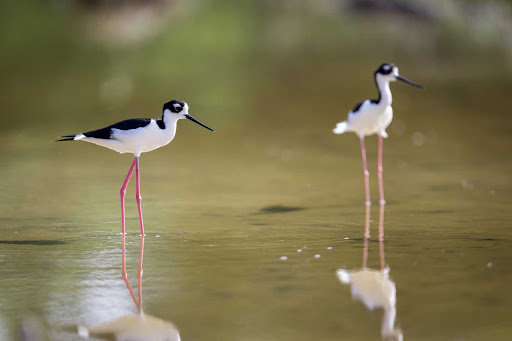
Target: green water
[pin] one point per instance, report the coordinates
(222, 209)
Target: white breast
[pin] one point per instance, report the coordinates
(370, 119)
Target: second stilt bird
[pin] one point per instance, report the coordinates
(373, 116)
(138, 135)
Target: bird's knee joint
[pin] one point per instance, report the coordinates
(366, 173)
(380, 170)
(138, 197)
(122, 192)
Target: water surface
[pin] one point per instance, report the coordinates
(247, 227)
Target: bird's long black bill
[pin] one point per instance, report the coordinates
(196, 121)
(403, 79)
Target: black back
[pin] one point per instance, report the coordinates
(105, 133)
(357, 107)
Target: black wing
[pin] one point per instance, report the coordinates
(358, 106)
(105, 133)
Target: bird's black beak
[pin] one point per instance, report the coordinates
(196, 121)
(403, 79)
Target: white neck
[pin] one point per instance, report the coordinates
(170, 121)
(384, 91)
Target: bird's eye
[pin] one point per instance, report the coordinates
(177, 108)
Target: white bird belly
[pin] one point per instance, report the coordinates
(370, 119)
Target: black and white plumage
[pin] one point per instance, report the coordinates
(373, 116)
(139, 135)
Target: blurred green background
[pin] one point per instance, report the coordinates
(272, 78)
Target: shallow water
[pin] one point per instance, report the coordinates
(248, 227)
(219, 217)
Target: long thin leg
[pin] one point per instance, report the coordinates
(366, 174)
(366, 236)
(379, 171)
(123, 192)
(125, 275)
(381, 237)
(138, 197)
(139, 274)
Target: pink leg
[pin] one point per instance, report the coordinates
(379, 170)
(381, 237)
(125, 275)
(366, 236)
(138, 197)
(123, 192)
(366, 174)
(139, 277)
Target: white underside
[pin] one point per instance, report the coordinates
(136, 141)
(370, 119)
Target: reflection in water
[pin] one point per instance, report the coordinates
(374, 287)
(139, 327)
(124, 274)
(134, 328)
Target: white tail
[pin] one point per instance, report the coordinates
(340, 128)
(343, 276)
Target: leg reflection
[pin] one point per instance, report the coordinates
(366, 236)
(138, 302)
(134, 326)
(124, 274)
(139, 274)
(381, 237)
(374, 288)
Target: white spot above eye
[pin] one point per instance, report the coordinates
(386, 67)
(177, 107)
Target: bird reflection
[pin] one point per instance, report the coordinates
(374, 287)
(135, 327)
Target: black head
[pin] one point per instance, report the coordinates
(389, 72)
(179, 110)
(386, 69)
(174, 106)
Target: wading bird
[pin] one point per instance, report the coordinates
(373, 116)
(138, 135)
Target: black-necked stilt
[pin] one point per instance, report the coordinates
(137, 136)
(373, 116)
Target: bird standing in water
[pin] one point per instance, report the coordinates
(138, 135)
(373, 116)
